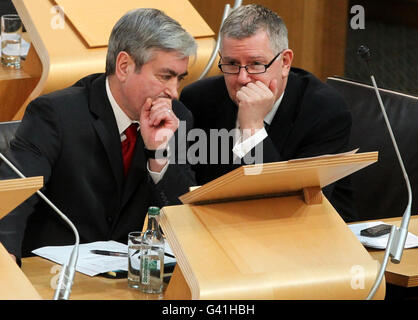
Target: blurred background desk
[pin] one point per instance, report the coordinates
(17, 85)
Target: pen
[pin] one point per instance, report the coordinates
(109, 253)
(169, 255)
(120, 254)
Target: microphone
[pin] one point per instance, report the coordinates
(65, 282)
(364, 52)
(397, 237)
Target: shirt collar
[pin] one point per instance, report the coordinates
(122, 120)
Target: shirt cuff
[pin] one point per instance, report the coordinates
(157, 176)
(242, 148)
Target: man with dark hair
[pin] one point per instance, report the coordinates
(278, 112)
(95, 142)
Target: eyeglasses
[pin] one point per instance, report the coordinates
(250, 68)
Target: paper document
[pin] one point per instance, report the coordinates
(379, 242)
(90, 263)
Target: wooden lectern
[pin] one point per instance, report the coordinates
(267, 232)
(13, 283)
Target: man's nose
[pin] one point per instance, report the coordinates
(172, 89)
(243, 76)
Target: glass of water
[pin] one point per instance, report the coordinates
(134, 259)
(11, 35)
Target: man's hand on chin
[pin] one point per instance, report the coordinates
(255, 101)
(158, 124)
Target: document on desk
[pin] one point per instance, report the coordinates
(90, 263)
(379, 242)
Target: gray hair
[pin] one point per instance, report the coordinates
(246, 21)
(142, 31)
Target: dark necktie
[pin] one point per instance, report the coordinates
(266, 126)
(128, 146)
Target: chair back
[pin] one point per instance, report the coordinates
(7, 133)
(380, 190)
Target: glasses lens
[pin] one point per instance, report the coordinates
(229, 68)
(256, 68)
(232, 68)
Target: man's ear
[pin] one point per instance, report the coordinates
(124, 65)
(286, 62)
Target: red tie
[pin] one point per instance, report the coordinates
(128, 146)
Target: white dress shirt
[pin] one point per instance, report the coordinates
(123, 122)
(241, 148)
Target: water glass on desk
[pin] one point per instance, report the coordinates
(11, 35)
(134, 259)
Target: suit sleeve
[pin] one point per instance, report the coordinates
(33, 151)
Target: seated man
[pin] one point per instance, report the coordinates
(95, 142)
(281, 112)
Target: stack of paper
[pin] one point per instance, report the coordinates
(379, 242)
(92, 264)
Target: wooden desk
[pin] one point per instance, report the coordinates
(405, 273)
(44, 273)
(13, 283)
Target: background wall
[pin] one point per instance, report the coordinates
(325, 44)
(391, 33)
(317, 30)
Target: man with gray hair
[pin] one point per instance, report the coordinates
(280, 112)
(96, 143)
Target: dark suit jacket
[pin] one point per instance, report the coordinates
(70, 137)
(311, 120)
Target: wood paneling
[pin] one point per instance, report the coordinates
(317, 30)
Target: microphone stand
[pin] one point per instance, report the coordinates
(65, 282)
(218, 40)
(397, 237)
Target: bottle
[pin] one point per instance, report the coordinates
(152, 255)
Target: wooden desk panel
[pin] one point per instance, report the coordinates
(13, 283)
(405, 273)
(44, 274)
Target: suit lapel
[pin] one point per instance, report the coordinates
(283, 120)
(106, 127)
(227, 119)
(227, 115)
